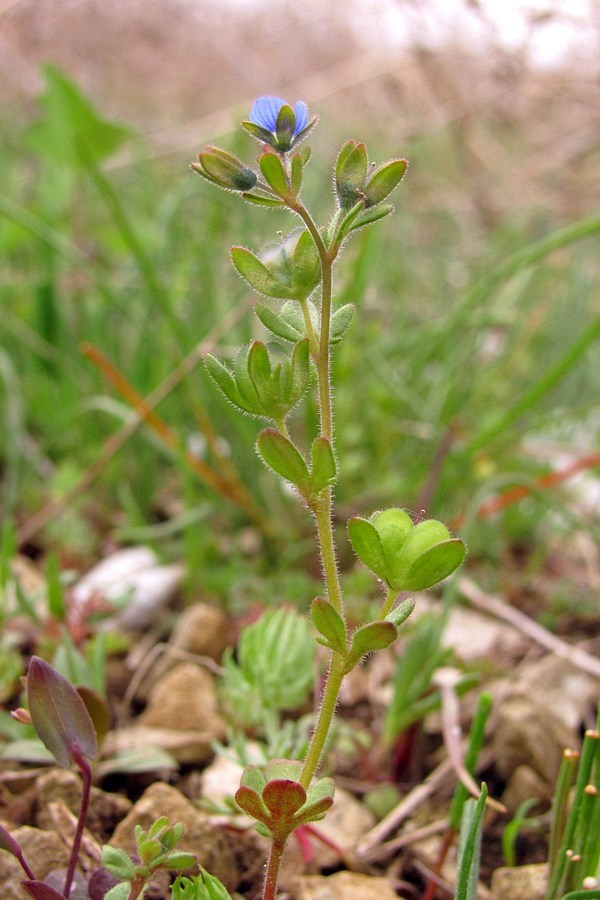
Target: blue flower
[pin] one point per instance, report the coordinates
(274, 122)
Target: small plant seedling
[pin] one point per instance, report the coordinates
(65, 727)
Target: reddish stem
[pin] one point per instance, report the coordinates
(272, 873)
(86, 774)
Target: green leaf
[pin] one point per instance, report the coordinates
(324, 469)
(394, 527)
(383, 181)
(367, 545)
(118, 862)
(258, 131)
(340, 322)
(259, 368)
(329, 623)
(319, 800)
(244, 383)
(149, 851)
(306, 264)
(256, 274)
(434, 565)
(259, 200)
(180, 860)
(373, 636)
(300, 371)
(71, 121)
(119, 892)
(59, 715)
(280, 326)
(225, 381)
(470, 847)
(283, 457)
(400, 613)
(272, 169)
(297, 168)
(374, 214)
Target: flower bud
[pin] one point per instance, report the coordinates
(224, 169)
(350, 173)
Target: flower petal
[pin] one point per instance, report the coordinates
(265, 111)
(301, 113)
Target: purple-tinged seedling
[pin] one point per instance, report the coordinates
(65, 727)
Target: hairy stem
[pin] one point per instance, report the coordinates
(335, 676)
(272, 873)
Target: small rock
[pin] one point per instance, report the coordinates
(60, 784)
(203, 630)
(135, 576)
(529, 882)
(571, 693)
(342, 886)
(186, 747)
(43, 850)
(220, 780)
(214, 847)
(528, 733)
(184, 700)
(525, 784)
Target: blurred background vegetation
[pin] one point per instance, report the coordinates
(472, 364)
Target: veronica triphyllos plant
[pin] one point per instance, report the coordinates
(295, 275)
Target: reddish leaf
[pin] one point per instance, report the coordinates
(59, 715)
(42, 891)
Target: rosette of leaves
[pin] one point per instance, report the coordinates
(273, 796)
(273, 670)
(288, 270)
(156, 849)
(201, 887)
(405, 556)
(260, 386)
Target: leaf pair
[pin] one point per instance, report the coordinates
(259, 387)
(274, 797)
(281, 455)
(288, 321)
(373, 636)
(354, 183)
(406, 557)
(290, 270)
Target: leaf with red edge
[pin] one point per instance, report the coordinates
(251, 803)
(59, 715)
